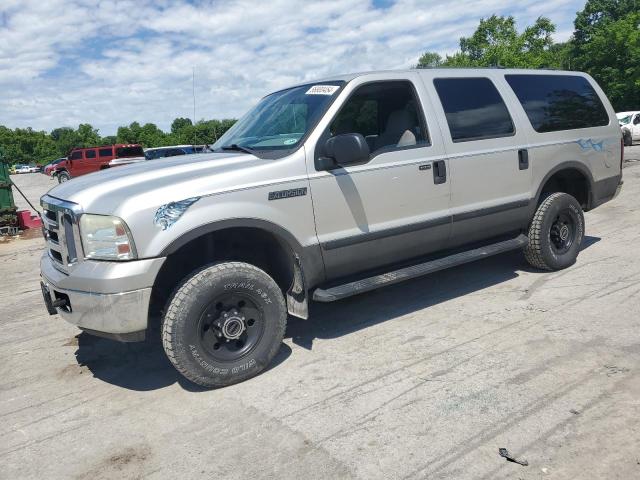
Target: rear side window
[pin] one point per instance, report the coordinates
(90, 154)
(474, 109)
(558, 102)
(105, 152)
(124, 152)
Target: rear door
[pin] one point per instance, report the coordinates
(105, 155)
(90, 163)
(488, 158)
(395, 206)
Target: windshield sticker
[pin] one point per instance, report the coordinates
(322, 90)
(289, 141)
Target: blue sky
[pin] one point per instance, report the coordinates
(110, 62)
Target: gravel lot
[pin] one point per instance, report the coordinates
(426, 379)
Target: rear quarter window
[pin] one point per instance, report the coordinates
(558, 102)
(474, 109)
(124, 152)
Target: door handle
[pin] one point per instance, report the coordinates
(439, 172)
(523, 159)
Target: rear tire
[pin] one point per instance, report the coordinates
(555, 233)
(63, 177)
(224, 324)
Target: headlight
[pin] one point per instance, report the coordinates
(106, 238)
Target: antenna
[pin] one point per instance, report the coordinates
(193, 89)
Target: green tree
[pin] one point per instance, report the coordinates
(597, 13)
(25, 145)
(429, 60)
(496, 42)
(180, 124)
(606, 44)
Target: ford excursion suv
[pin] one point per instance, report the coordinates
(326, 190)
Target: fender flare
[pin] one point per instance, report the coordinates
(570, 165)
(310, 257)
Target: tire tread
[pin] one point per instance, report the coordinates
(533, 250)
(182, 293)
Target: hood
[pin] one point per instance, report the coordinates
(156, 182)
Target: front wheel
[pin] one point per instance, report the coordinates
(224, 324)
(555, 233)
(63, 177)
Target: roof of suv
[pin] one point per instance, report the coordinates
(438, 71)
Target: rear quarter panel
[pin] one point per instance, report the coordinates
(596, 148)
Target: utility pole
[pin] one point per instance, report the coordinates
(193, 89)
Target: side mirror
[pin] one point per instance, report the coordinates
(347, 149)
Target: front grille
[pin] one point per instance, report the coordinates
(61, 231)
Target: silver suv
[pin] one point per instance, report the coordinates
(322, 191)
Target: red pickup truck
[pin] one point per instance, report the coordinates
(81, 161)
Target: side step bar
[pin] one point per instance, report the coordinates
(359, 286)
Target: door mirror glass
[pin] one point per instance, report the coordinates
(347, 149)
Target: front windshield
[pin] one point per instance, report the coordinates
(280, 120)
(624, 120)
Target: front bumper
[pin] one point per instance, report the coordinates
(97, 306)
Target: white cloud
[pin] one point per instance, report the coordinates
(110, 62)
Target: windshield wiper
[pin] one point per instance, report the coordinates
(239, 148)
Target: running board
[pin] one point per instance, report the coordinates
(359, 286)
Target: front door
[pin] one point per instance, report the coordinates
(395, 206)
(75, 163)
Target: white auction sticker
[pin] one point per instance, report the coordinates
(322, 90)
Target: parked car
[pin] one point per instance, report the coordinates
(22, 169)
(630, 125)
(81, 161)
(171, 151)
(50, 168)
(323, 191)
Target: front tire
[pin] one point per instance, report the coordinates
(555, 233)
(63, 177)
(224, 324)
(626, 137)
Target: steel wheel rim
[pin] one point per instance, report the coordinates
(230, 327)
(563, 232)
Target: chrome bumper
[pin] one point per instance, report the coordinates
(108, 313)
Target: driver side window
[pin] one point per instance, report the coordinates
(386, 114)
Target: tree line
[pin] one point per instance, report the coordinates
(25, 145)
(605, 43)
